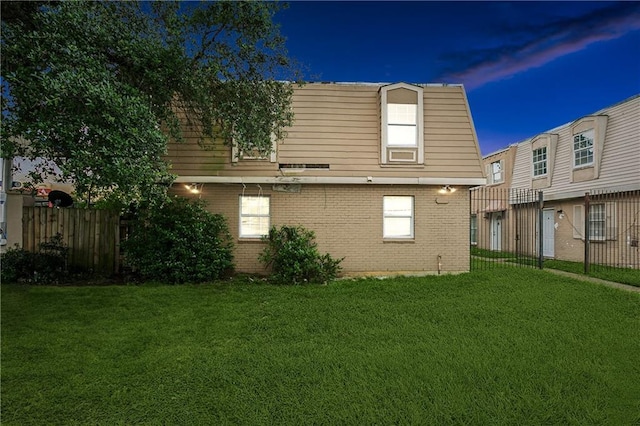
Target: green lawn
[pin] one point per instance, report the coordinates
(620, 275)
(509, 346)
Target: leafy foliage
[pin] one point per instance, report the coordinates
(99, 87)
(293, 257)
(179, 241)
(43, 267)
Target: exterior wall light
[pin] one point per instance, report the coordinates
(447, 189)
(193, 188)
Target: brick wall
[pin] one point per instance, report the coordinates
(347, 220)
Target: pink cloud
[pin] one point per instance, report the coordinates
(540, 52)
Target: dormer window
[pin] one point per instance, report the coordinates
(540, 162)
(496, 173)
(583, 149)
(402, 127)
(402, 124)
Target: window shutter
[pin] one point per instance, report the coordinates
(611, 221)
(578, 222)
(487, 169)
(502, 176)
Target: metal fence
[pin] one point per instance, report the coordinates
(612, 222)
(518, 227)
(505, 227)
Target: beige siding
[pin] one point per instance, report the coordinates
(620, 166)
(339, 125)
(347, 220)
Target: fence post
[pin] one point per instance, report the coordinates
(587, 233)
(540, 228)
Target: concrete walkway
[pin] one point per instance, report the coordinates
(595, 280)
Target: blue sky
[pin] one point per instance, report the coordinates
(527, 66)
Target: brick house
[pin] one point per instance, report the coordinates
(380, 172)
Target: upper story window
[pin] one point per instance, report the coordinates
(402, 124)
(254, 154)
(583, 149)
(496, 173)
(540, 161)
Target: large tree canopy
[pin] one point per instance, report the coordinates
(100, 87)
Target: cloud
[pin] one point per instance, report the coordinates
(541, 44)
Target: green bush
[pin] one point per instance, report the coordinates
(47, 266)
(179, 242)
(293, 257)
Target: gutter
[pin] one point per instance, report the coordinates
(364, 180)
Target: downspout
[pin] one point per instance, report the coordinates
(439, 264)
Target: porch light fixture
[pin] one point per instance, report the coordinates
(193, 188)
(447, 189)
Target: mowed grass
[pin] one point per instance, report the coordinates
(628, 276)
(509, 346)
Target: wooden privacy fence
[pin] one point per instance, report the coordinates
(92, 236)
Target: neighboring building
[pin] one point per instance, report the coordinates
(370, 168)
(16, 192)
(599, 154)
(490, 205)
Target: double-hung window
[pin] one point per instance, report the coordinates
(495, 171)
(397, 217)
(254, 216)
(540, 161)
(602, 222)
(402, 125)
(583, 149)
(597, 222)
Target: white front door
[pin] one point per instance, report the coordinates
(496, 231)
(548, 232)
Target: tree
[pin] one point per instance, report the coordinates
(100, 87)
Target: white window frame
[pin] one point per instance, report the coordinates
(388, 213)
(491, 173)
(606, 216)
(400, 118)
(242, 215)
(582, 152)
(239, 155)
(540, 158)
(473, 229)
(418, 147)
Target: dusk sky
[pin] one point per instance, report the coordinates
(527, 67)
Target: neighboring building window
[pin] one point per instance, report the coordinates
(602, 222)
(474, 229)
(496, 172)
(540, 161)
(254, 216)
(597, 222)
(398, 217)
(402, 125)
(583, 149)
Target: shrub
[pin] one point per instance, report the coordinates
(47, 266)
(293, 257)
(179, 242)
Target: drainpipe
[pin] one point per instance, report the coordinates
(439, 264)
